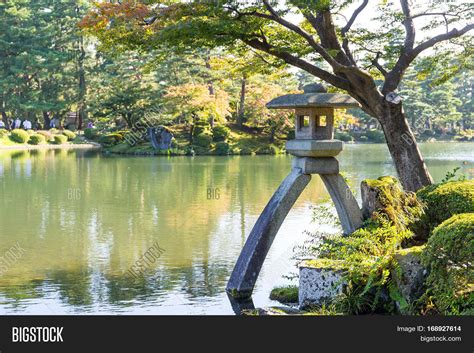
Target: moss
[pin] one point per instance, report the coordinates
(402, 209)
(414, 250)
(324, 263)
(285, 295)
(445, 200)
(448, 257)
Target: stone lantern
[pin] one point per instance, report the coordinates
(314, 149)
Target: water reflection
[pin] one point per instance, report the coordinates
(84, 218)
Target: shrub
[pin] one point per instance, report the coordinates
(222, 148)
(375, 135)
(20, 136)
(47, 135)
(220, 133)
(59, 139)
(3, 133)
(203, 140)
(245, 151)
(200, 127)
(30, 132)
(448, 257)
(69, 134)
(343, 136)
(445, 200)
(270, 149)
(54, 131)
(111, 139)
(90, 133)
(36, 139)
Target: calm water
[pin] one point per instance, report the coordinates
(84, 218)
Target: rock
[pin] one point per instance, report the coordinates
(160, 137)
(410, 275)
(321, 280)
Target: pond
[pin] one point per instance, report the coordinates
(81, 220)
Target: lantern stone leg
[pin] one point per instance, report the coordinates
(314, 149)
(250, 261)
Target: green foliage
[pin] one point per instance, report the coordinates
(343, 136)
(445, 200)
(448, 257)
(90, 133)
(3, 133)
(203, 140)
(220, 133)
(19, 136)
(201, 127)
(69, 134)
(110, 139)
(288, 294)
(375, 135)
(36, 139)
(402, 209)
(59, 139)
(223, 148)
(245, 151)
(270, 149)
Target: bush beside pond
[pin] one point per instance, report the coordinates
(69, 134)
(19, 136)
(449, 259)
(443, 201)
(36, 139)
(59, 139)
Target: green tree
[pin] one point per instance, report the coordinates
(349, 57)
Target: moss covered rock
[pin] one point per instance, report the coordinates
(288, 294)
(443, 201)
(385, 197)
(449, 258)
(409, 277)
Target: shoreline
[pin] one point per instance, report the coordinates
(51, 147)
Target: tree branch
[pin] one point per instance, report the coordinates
(347, 27)
(454, 33)
(409, 26)
(298, 62)
(395, 75)
(356, 13)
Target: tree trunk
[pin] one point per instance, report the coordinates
(404, 150)
(82, 106)
(241, 112)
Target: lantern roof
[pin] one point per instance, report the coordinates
(314, 96)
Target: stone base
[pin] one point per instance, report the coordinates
(320, 282)
(410, 275)
(314, 148)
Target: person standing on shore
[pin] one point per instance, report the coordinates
(2, 124)
(17, 123)
(27, 124)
